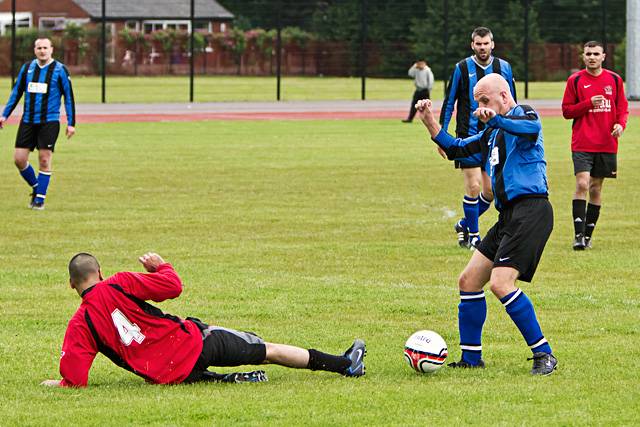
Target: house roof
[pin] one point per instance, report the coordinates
(155, 9)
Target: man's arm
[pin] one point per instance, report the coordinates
(525, 125)
(69, 101)
(160, 283)
(16, 94)
(622, 111)
(454, 148)
(572, 107)
(78, 352)
(446, 112)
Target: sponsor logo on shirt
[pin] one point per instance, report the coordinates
(37, 87)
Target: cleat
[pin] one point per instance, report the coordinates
(406, 121)
(579, 242)
(463, 235)
(245, 377)
(543, 363)
(587, 242)
(465, 365)
(32, 198)
(37, 206)
(356, 354)
(474, 242)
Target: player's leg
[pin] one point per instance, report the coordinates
(593, 208)
(526, 232)
(228, 347)
(47, 137)
(470, 203)
(472, 309)
(582, 165)
(412, 108)
(26, 141)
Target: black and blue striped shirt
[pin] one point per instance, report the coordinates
(44, 88)
(460, 89)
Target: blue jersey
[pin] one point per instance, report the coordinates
(460, 89)
(512, 150)
(43, 88)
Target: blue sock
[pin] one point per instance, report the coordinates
(483, 205)
(520, 308)
(470, 207)
(472, 312)
(29, 175)
(43, 184)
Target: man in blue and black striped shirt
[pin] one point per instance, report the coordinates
(460, 93)
(44, 81)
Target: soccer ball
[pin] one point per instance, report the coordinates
(425, 351)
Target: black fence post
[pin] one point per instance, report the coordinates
(445, 40)
(525, 49)
(603, 5)
(13, 42)
(363, 50)
(278, 48)
(104, 51)
(191, 59)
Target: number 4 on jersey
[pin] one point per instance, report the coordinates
(128, 331)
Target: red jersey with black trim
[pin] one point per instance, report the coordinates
(114, 319)
(592, 126)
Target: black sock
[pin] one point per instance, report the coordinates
(593, 212)
(319, 361)
(579, 213)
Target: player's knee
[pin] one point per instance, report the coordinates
(500, 288)
(20, 162)
(466, 283)
(582, 186)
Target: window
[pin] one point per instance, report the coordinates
(23, 20)
(132, 25)
(150, 26)
(52, 23)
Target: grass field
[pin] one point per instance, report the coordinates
(224, 88)
(312, 233)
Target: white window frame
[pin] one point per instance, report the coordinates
(22, 18)
(165, 24)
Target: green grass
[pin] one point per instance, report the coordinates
(219, 88)
(311, 233)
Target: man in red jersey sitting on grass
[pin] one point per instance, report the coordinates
(114, 319)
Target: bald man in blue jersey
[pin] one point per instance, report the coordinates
(511, 149)
(44, 81)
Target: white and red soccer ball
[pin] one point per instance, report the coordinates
(425, 351)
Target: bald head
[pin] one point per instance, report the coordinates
(492, 91)
(82, 267)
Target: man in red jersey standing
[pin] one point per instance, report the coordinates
(594, 98)
(114, 319)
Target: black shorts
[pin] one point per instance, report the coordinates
(518, 238)
(40, 135)
(462, 165)
(599, 165)
(227, 347)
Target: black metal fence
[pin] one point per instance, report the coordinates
(357, 38)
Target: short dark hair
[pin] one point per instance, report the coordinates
(593, 43)
(481, 32)
(81, 266)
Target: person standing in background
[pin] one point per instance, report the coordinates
(423, 80)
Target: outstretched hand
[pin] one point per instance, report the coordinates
(2, 120)
(484, 114)
(150, 261)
